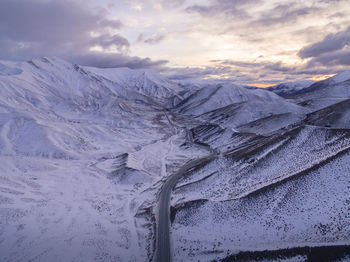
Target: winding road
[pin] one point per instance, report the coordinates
(163, 245)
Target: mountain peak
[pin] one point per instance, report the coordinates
(290, 88)
(144, 81)
(341, 77)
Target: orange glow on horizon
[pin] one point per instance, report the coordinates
(314, 78)
(263, 85)
(321, 77)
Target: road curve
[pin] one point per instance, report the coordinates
(163, 247)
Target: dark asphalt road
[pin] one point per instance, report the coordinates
(163, 245)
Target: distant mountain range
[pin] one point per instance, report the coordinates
(290, 88)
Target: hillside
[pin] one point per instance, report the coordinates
(86, 151)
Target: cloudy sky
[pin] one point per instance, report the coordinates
(248, 41)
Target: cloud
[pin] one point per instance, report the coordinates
(172, 3)
(152, 40)
(231, 8)
(65, 28)
(107, 41)
(281, 13)
(199, 72)
(235, 71)
(284, 13)
(250, 73)
(330, 53)
(331, 59)
(332, 42)
(50, 21)
(261, 66)
(105, 60)
(244, 72)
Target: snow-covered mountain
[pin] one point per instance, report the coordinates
(280, 196)
(146, 82)
(78, 149)
(85, 151)
(341, 77)
(57, 100)
(290, 88)
(233, 106)
(325, 93)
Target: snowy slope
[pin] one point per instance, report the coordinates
(283, 190)
(232, 106)
(329, 82)
(341, 77)
(146, 82)
(82, 155)
(289, 192)
(290, 88)
(325, 93)
(51, 95)
(333, 116)
(211, 98)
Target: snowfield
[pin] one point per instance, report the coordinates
(82, 158)
(84, 154)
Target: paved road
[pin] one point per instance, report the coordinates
(163, 246)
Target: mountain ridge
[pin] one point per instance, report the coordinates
(85, 153)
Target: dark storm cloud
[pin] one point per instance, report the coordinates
(335, 58)
(332, 52)
(63, 28)
(50, 21)
(330, 43)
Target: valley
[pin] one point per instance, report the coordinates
(125, 165)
